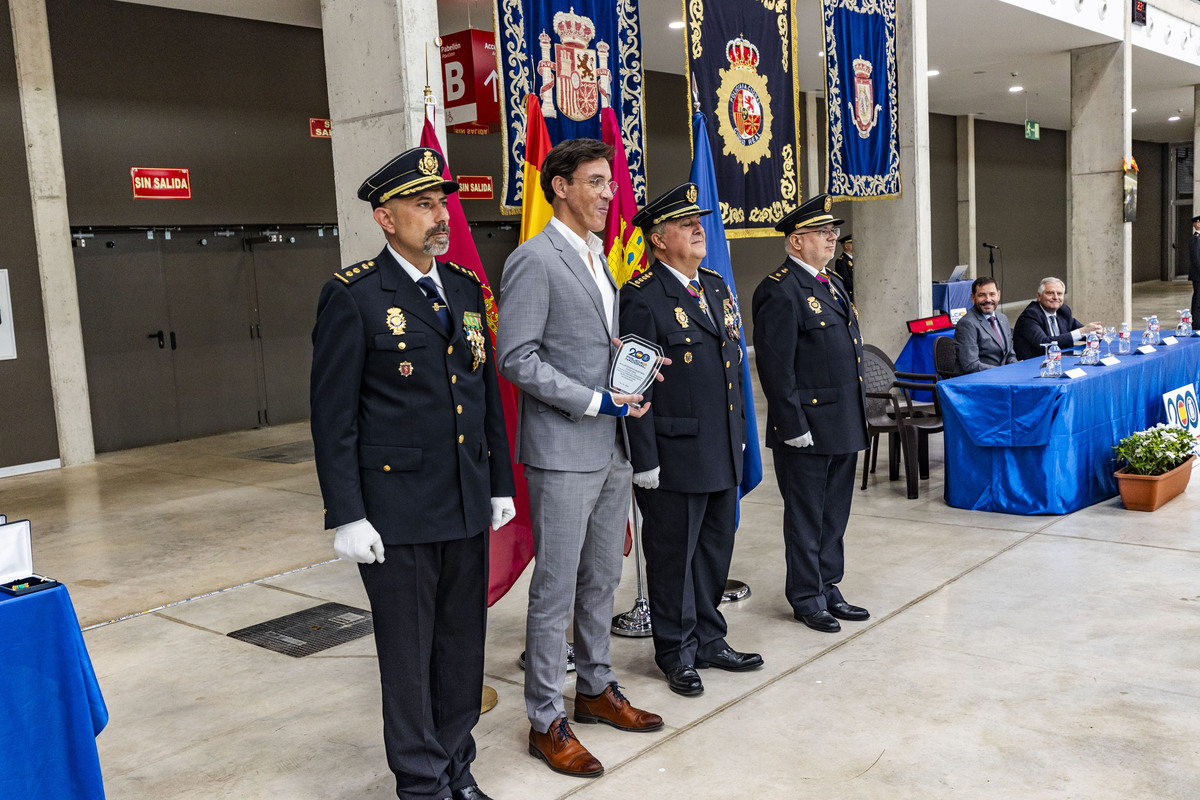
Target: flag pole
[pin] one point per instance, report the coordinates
(635, 622)
(735, 590)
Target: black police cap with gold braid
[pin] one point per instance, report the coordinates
(812, 214)
(410, 172)
(679, 202)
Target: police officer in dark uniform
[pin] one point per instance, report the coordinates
(845, 264)
(808, 351)
(687, 449)
(413, 462)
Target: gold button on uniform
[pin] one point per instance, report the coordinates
(822, 324)
(458, 409)
(460, 438)
(731, 386)
(402, 345)
(731, 407)
(814, 401)
(454, 379)
(387, 468)
(727, 365)
(449, 349)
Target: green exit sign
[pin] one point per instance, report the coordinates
(1033, 130)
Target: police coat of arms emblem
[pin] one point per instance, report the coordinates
(577, 81)
(745, 125)
(864, 110)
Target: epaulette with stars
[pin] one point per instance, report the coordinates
(350, 274)
(470, 273)
(712, 271)
(641, 280)
(778, 275)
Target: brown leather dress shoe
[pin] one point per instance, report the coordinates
(611, 707)
(563, 752)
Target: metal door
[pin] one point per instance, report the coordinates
(290, 266)
(126, 327)
(210, 289)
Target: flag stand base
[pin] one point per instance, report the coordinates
(735, 591)
(634, 622)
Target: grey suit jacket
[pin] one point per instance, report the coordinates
(977, 347)
(554, 344)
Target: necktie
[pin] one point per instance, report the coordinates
(430, 288)
(697, 291)
(996, 329)
(1054, 325)
(823, 278)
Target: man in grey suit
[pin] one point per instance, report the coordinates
(983, 335)
(554, 342)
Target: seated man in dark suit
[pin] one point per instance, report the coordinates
(1046, 319)
(983, 335)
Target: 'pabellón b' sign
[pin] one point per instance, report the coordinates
(161, 184)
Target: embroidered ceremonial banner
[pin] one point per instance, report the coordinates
(623, 241)
(742, 55)
(860, 97)
(577, 56)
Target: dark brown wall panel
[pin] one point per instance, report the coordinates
(27, 430)
(228, 99)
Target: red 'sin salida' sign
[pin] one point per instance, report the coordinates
(319, 128)
(474, 187)
(150, 183)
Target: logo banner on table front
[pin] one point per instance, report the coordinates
(577, 57)
(860, 97)
(742, 56)
(1184, 410)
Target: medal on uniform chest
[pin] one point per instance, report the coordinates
(814, 304)
(473, 326)
(681, 317)
(854, 308)
(396, 321)
(406, 368)
(687, 357)
(733, 320)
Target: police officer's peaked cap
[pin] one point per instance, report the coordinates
(812, 214)
(410, 172)
(679, 202)
(847, 239)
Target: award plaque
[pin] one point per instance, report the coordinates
(635, 365)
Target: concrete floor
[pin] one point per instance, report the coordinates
(1006, 656)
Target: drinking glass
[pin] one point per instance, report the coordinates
(1110, 333)
(1047, 370)
(1147, 334)
(1154, 328)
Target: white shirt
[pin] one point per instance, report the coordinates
(591, 252)
(1053, 315)
(811, 270)
(686, 281)
(416, 274)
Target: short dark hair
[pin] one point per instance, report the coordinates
(566, 156)
(982, 280)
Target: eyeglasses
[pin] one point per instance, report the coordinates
(599, 185)
(826, 233)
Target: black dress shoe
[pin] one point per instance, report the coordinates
(684, 680)
(471, 792)
(846, 611)
(731, 660)
(820, 621)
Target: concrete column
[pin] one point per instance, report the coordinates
(1101, 267)
(376, 52)
(893, 250)
(52, 233)
(1195, 149)
(968, 241)
(812, 163)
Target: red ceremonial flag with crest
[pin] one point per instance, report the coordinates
(511, 547)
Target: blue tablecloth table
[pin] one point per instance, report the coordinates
(1021, 444)
(50, 702)
(952, 295)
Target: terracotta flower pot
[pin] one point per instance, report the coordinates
(1149, 492)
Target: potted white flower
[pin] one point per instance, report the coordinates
(1158, 465)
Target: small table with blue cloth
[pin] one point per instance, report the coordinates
(1022, 444)
(50, 702)
(951, 295)
(917, 357)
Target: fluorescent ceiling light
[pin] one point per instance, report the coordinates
(675, 25)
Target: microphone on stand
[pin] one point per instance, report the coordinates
(991, 246)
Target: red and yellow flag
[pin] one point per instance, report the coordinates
(511, 547)
(623, 241)
(535, 210)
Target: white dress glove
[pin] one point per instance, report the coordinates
(801, 441)
(503, 510)
(647, 479)
(358, 542)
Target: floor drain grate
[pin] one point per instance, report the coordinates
(290, 453)
(309, 631)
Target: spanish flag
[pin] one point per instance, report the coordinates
(622, 239)
(535, 210)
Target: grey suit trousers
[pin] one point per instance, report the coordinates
(579, 540)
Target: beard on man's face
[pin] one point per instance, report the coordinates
(435, 246)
